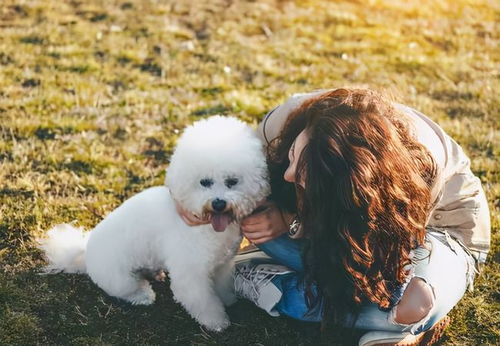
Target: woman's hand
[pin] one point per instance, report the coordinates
(189, 218)
(266, 223)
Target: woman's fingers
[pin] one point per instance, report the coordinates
(262, 240)
(189, 218)
(256, 235)
(255, 219)
(264, 211)
(257, 228)
(191, 221)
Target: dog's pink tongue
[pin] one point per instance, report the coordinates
(220, 221)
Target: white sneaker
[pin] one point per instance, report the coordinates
(252, 281)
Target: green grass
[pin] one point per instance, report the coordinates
(93, 95)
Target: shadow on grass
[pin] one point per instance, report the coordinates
(71, 309)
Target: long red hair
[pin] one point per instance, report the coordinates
(366, 197)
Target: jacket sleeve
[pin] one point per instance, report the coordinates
(274, 121)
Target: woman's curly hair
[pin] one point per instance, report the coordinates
(366, 198)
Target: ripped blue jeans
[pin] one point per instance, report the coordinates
(443, 264)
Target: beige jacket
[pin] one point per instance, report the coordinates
(459, 207)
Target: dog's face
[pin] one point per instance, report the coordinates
(225, 197)
(218, 170)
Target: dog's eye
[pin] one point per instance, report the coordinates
(230, 182)
(206, 182)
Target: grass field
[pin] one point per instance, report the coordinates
(93, 95)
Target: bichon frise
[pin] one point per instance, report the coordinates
(218, 170)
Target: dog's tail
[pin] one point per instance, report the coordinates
(64, 248)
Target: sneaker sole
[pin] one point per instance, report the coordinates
(251, 254)
(435, 333)
(427, 338)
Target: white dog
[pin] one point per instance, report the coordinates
(218, 170)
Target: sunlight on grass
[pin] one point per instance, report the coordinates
(94, 93)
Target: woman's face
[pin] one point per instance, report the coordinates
(293, 156)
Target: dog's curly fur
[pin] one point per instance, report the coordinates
(219, 158)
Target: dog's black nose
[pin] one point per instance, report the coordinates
(218, 204)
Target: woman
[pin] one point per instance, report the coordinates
(375, 219)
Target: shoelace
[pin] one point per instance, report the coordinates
(250, 276)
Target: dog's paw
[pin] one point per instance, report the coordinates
(216, 325)
(213, 318)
